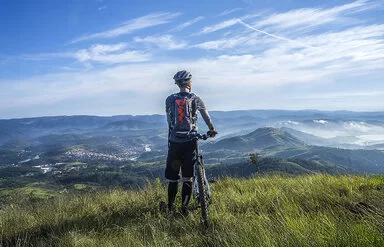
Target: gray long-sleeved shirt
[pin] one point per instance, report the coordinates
(199, 106)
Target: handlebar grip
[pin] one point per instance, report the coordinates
(212, 133)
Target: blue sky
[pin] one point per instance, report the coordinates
(104, 57)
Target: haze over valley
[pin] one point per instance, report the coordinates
(128, 150)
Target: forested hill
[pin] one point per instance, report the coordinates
(259, 139)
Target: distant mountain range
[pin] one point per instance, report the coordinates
(320, 138)
(31, 128)
(338, 129)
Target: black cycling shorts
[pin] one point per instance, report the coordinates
(180, 155)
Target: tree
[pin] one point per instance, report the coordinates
(253, 158)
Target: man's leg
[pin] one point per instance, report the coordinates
(172, 173)
(186, 190)
(187, 171)
(172, 192)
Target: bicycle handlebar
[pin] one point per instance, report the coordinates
(199, 136)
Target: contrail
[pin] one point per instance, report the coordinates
(272, 35)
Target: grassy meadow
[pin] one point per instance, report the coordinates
(271, 210)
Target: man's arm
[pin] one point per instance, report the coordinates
(168, 110)
(204, 113)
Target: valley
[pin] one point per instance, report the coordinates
(49, 155)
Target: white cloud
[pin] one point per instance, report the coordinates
(103, 53)
(221, 25)
(100, 49)
(215, 45)
(111, 54)
(166, 42)
(229, 11)
(320, 121)
(353, 52)
(227, 23)
(266, 66)
(222, 44)
(130, 26)
(310, 17)
(187, 24)
(218, 80)
(271, 35)
(358, 48)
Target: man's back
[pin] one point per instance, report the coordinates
(181, 110)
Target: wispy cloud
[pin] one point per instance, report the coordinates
(111, 54)
(101, 53)
(216, 44)
(104, 7)
(229, 11)
(219, 26)
(272, 35)
(130, 26)
(310, 17)
(166, 42)
(187, 24)
(355, 49)
(227, 23)
(222, 44)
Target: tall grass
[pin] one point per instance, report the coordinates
(312, 210)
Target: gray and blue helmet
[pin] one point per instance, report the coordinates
(182, 77)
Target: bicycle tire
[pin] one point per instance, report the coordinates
(202, 192)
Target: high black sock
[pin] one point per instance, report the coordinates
(186, 192)
(172, 192)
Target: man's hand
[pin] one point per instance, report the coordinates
(212, 133)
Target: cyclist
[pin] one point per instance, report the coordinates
(181, 110)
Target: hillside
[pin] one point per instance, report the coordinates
(358, 161)
(312, 210)
(132, 125)
(258, 139)
(275, 165)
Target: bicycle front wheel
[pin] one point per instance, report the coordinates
(203, 197)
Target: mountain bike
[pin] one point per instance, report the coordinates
(201, 189)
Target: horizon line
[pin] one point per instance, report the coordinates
(212, 111)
